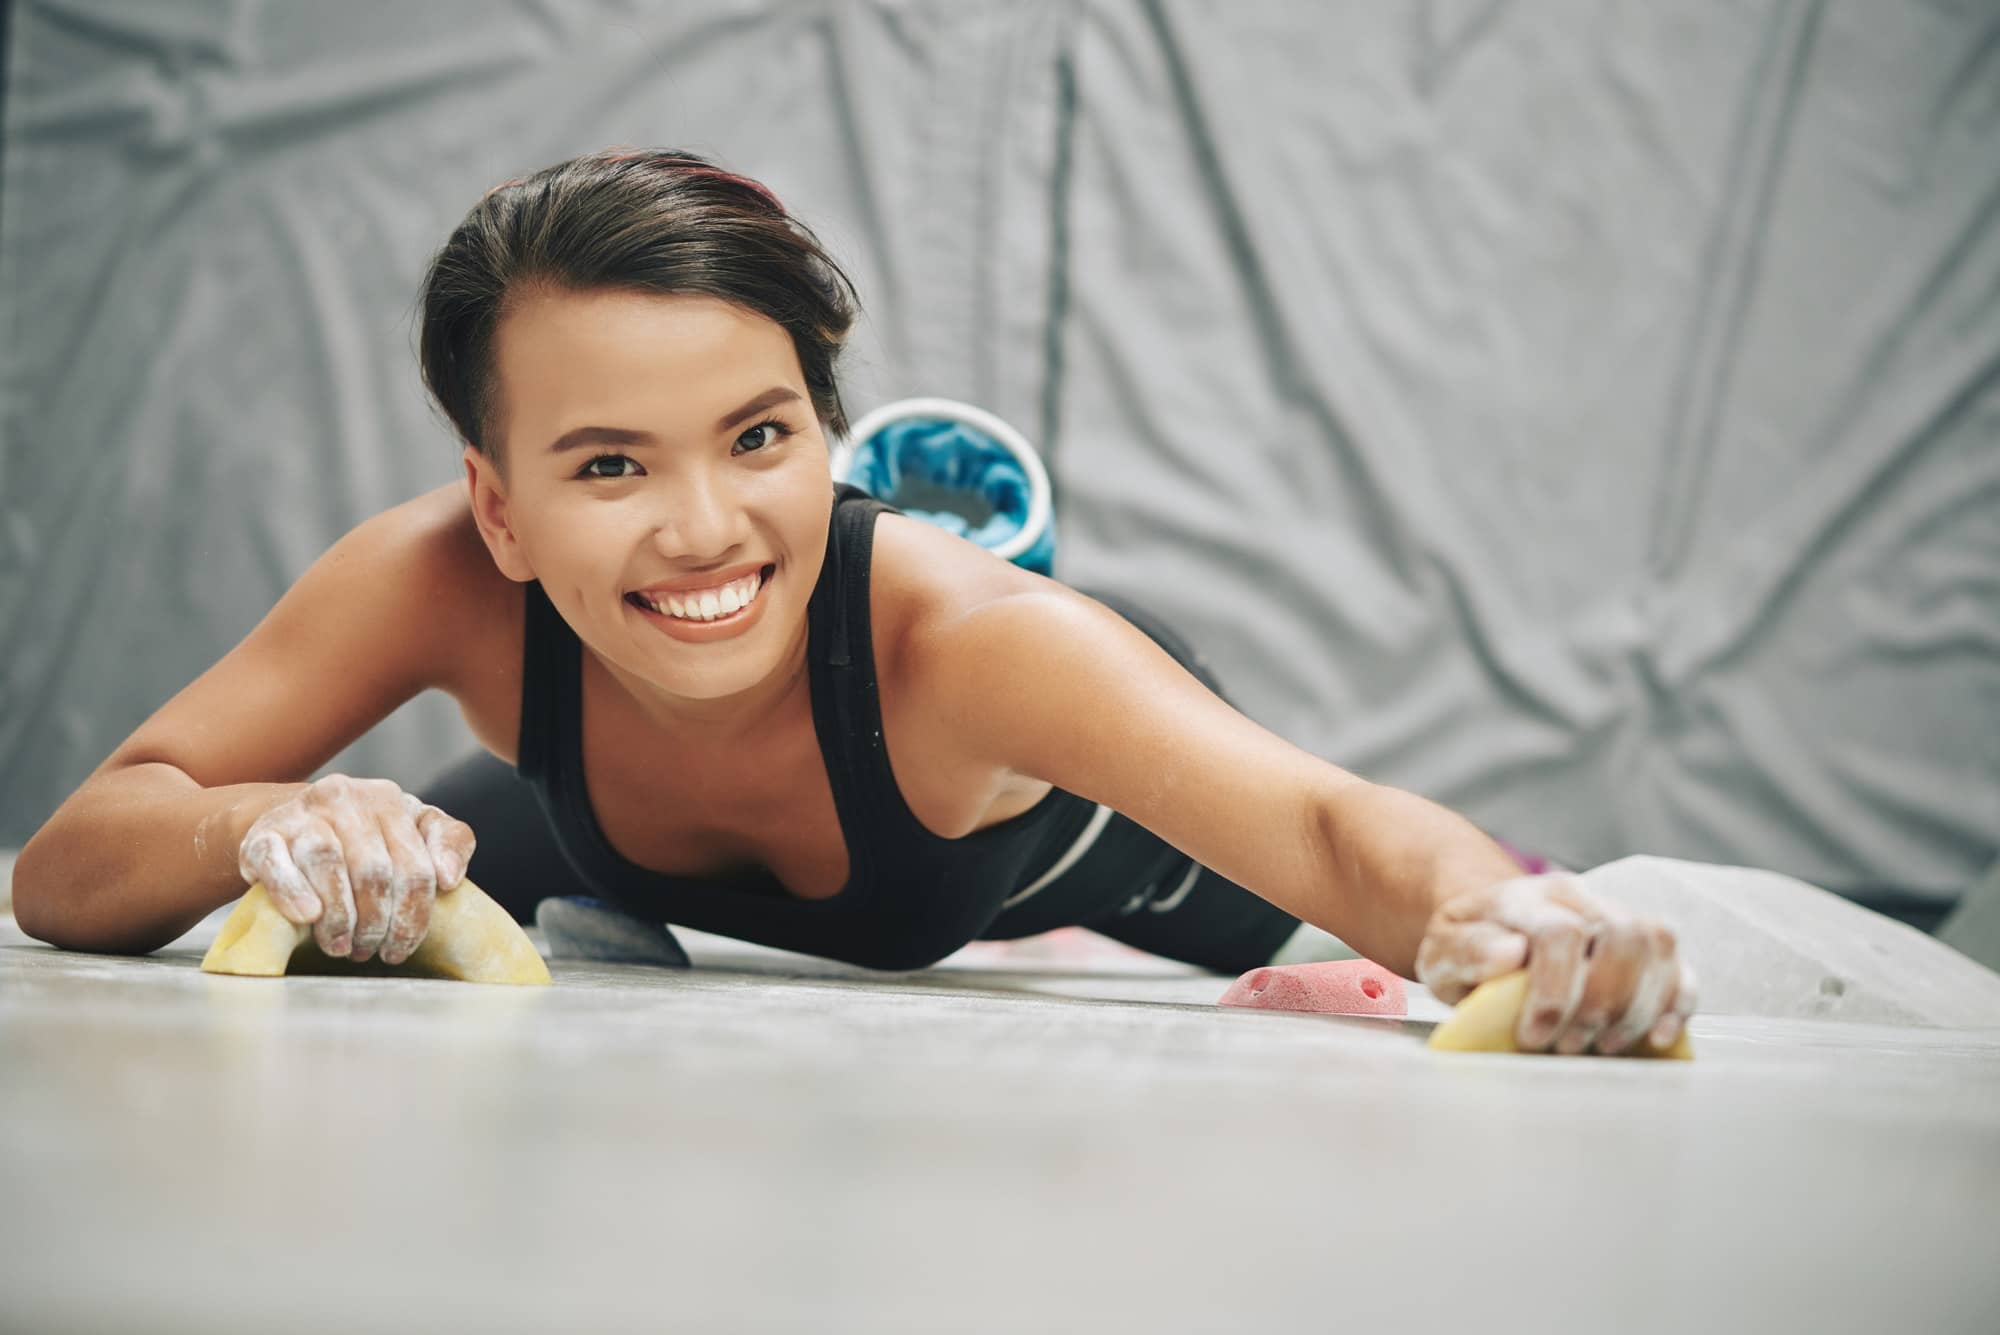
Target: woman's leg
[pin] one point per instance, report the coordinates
(1203, 919)
(515, 860)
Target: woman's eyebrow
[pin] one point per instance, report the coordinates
(577, 438)
(770, 398)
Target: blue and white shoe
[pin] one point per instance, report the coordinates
(580, 928)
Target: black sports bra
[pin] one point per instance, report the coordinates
(911, 897)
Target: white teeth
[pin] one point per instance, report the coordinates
(709, 603)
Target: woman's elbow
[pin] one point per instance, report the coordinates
(24, 899)
(43, 910)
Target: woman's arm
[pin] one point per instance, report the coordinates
(1052, 685)
(148, 844)
(114, 870)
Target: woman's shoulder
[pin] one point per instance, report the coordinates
(443, 544)
(480, 612)
(387, 612)
(922, 580)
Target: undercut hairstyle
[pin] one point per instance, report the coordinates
(654, 220)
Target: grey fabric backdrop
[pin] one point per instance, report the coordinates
(1584, 414)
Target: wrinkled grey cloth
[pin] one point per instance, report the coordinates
(1584, 415)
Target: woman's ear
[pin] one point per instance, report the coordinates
(489, 511)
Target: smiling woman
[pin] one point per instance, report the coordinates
(645, 448)
(737, 696)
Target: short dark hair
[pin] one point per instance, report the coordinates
(650, 220)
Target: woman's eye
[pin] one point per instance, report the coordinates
(588, 469)
(763, 435)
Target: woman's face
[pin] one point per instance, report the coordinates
(664, 446)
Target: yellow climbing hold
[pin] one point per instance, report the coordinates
(1485, 1022)
(470, 938)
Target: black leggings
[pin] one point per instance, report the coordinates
(1165, 904)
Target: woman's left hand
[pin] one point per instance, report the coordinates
(1598, 975)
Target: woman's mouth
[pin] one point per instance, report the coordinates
(710, 613)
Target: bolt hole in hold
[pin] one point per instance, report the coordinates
(1371, 988)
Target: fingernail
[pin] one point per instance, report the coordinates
(1663, 1032)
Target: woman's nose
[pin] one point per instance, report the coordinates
(702, 521)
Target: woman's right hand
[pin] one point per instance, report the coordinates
(359, 860)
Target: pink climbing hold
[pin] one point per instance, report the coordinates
(1334, 987)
